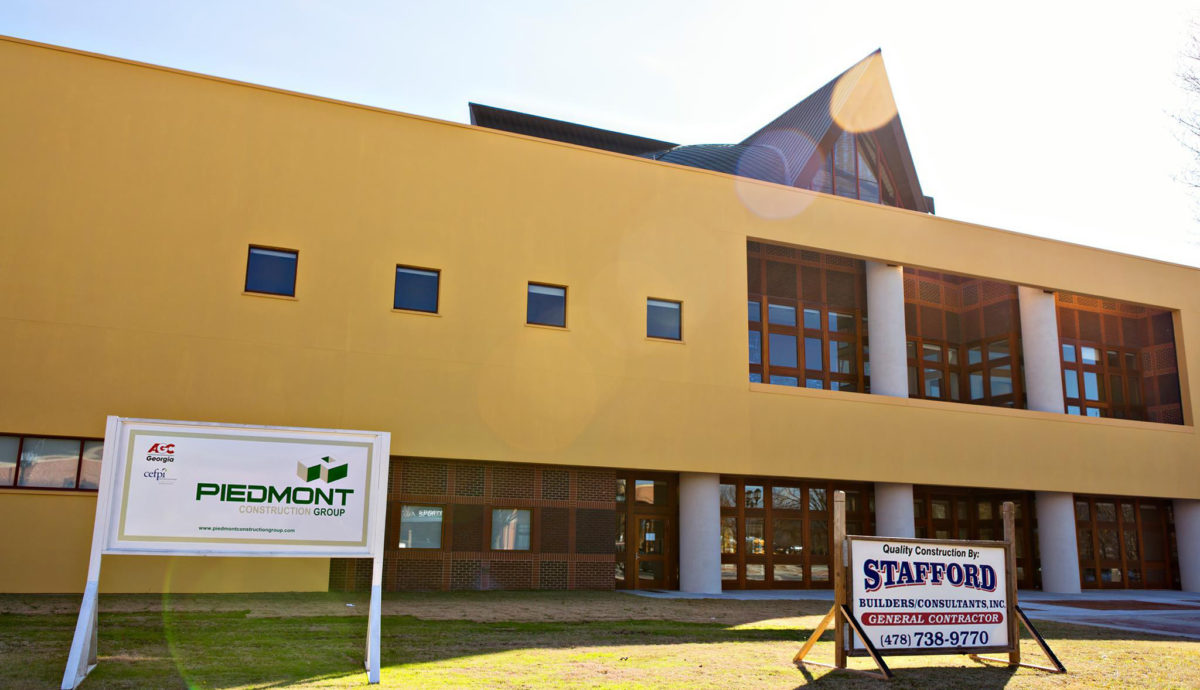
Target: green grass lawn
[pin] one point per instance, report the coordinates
(552, 640)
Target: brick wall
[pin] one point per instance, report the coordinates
(571, 540)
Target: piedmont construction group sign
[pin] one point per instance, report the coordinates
(200, 489)
(243, 491)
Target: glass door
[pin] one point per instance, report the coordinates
(651, 554)
(646, 531)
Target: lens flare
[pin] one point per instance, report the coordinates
(862, 98)
(777, 156)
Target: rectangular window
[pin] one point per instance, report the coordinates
(420, 527)
(729, 535)
(89, 470)
(788, 536)
(547, 305)
(49, 463)
(783, 350)
(416, 289)
(787, 498)
(510, 529)
(781, 314)
(272, 271)
(8, 459)
(650, 491)
(664, 319)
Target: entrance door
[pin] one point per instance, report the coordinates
(646, 527)
(650, 555)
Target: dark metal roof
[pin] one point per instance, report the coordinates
(809, 127)
(789, 150)
(800, 132)
(757, 162)
(559, 130)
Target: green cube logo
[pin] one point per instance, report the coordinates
(325, 470)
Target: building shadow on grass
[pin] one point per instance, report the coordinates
(234, 648)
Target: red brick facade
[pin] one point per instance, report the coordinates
(571, 543)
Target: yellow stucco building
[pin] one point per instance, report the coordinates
(553, 324)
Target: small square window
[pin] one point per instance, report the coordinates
(664, 319)
(420, 527)
(547, 305)
(271, 271)
(416, 289)
(510, 529)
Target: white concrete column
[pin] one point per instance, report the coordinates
(1187, 537)
(699, 533)
(1056, 541)
(885, 327)
(894, 510)
(1039, 344)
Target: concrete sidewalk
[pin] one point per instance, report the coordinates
(1158, 612)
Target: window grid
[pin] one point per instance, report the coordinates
(818, 337)
(1126, 543)
(1118, 360)
(15, 482)
(963, 336)
(751, 515)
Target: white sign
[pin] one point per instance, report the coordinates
(923, 595)
(201, 489)
(182, 489)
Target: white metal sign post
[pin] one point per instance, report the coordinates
(201, 489)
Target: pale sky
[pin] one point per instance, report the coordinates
(1048, 118)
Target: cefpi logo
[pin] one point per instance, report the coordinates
(324, 470)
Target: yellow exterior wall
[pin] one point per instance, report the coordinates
(48, 537)
(129, 195)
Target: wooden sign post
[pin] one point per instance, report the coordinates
(896, 597)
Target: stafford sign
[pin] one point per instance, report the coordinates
(242, 489)
(921, 596)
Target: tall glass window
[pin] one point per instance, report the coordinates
(1118, 360)
(854, 169)
(963, 339)
(806, 318)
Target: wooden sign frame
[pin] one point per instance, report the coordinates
(841, 616)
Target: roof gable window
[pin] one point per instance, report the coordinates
(856, 173)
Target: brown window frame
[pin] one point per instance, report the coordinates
(809, 560)
(823, 264)
(16, 478)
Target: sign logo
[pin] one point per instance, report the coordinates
(324, 470)
(161, 452)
